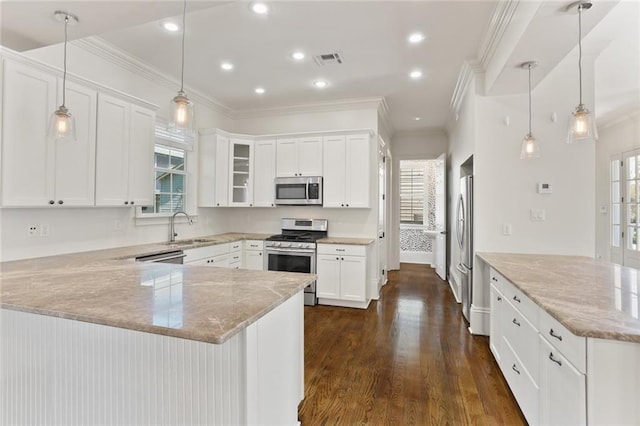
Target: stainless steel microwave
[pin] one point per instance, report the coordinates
(299, 191)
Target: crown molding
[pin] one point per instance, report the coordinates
(500, 21)
(101, 48)
(341, 105)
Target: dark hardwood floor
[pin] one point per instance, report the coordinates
(407, 360)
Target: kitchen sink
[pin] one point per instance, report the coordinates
(187, 242)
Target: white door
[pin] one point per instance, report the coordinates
(310, 156)
(328, 271)
(142, 179)
(287, 157)
(334, 164)
(625, 209)
(357, 171)
(440, 246)
(353, 278)
(382, 209)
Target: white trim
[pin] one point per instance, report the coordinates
(340, 105)
(344, 303)
(112, 54)
(454, 285)
(420, 257)
(479, 320)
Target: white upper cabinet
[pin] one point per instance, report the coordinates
(124, 161)
(346, 171)
(264, 173)
(213, 184)
(241, 172)
(299, 157)
(38, 171)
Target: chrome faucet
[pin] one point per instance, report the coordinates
(172, 230)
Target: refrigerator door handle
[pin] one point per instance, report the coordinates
(460, 222)
(460, 267)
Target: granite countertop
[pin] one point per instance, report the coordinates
(107, 287)
(591, 298)
(344, 240)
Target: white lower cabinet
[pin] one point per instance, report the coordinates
(522, 385)
(495, 324)
(342, 275)
(217, 255)
(563, 393)
(253, 255)
(235, 255)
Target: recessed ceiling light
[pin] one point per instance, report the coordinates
(259, 90)
(227, 66)
(298, 55)
(417, 118)
(260, 8)
(170, 26)
(320, 84)
(415, 74)
(416, 38)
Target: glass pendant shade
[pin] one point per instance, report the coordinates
(182, 117)
(582, 125)
(62, 125)
(530, 148)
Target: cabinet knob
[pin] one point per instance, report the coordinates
(250, 205)
(217, 204)
(494, 279)
(516, 299)
(515, 369)
(499, 299)
(60, 202)
(341, 205)
(126, 202)
(132, 203)
(51, 202)
(342, 258)
(260, 254)
(516, 322)
(337, 258)
(347, 205)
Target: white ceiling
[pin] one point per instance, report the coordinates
(370, 35)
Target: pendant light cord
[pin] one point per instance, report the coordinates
(580, 48)
(530, 98)
(64, 74)
(184, 13)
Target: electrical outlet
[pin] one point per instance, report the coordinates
(44, 230)
(506, 229)
(33, 231)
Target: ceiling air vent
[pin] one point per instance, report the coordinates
(328, 59)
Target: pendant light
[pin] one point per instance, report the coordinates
(182, 120)
(530, 147)
(62, 123)
(582, 125)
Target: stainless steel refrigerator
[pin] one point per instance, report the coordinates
(464, 234)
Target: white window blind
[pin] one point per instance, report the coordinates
(412, 192)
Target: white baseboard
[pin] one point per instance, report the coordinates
(479, 321)
(344, 303)
(420, 257)
(455, 287)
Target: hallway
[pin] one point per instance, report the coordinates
(407, 360)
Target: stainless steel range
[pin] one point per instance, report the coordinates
(295, 250)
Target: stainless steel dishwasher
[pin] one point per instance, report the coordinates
(174, 256)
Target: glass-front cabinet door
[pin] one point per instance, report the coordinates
(241, 173)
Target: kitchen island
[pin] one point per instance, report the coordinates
(97, 338)
(565, 331)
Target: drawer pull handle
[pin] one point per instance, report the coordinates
(499, 299)
(516, 299)
(557, 336)
(494, 279)
(515, 369)
(516, 322)
(557, 361)
(340, 250)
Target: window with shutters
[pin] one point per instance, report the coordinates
(170, 193)
(412, 191)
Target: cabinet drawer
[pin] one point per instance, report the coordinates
(521, 302)
(202, 252)
(254, 245)
(235, 246)
(342, 249)
(496, 280)
(573, 347)
(523, 387)
(522, 336)
(235, 257)
(235, 264)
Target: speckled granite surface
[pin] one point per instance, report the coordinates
(108, 287)
(348, 241)
(591, 298)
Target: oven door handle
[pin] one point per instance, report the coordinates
(290, 251)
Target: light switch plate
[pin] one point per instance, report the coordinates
(538, 215)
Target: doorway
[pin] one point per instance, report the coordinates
(625, 208)
(421, 209)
